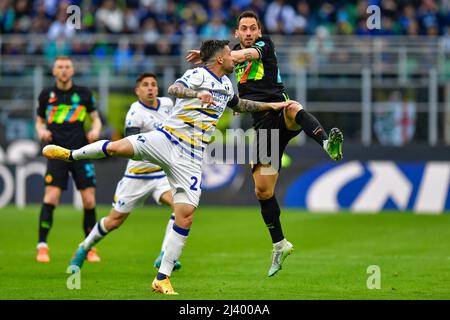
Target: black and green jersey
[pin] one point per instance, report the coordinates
(65, 112)
(260, 80)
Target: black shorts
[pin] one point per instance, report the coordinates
(83, 173)
(263, 139)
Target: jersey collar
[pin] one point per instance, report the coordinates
(215, 77)
(55, 87)
(150, 107)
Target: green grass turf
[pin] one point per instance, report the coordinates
(228, 255)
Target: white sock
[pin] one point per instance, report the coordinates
(280, 245)
(325, 144)
(96, 150)
(97, 234)
(42, 245)
(168, 228)
(176, 240)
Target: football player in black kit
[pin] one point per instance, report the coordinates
(258, 78)
(60, 119)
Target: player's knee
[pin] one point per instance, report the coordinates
(52, 197)
(89, 204)
(89, 201)
(263, 193)
(186, 221)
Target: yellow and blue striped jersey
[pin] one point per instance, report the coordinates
(191, 124)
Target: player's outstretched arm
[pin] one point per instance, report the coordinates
(180, 91)
(244, 105)
(247, 54)
(239, 56)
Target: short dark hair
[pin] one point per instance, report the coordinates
(209, 48)
(249, 14)
(144, 75)
(63, 58)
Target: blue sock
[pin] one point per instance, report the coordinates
(160, 276)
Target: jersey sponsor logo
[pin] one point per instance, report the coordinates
(220, 97)
(48, 179)
(141, 139)
(260, 43)
(75, 98)
(373, 186)
(52, 97)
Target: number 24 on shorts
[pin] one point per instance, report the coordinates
(194, 184)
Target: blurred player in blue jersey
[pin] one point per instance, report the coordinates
(141, 179)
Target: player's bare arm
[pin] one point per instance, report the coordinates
(94, 133)
(239, 56)
(244, 105)
(247, 54)
(44, 134)
(180, 91)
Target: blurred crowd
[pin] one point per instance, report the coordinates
(160, 24)
(217, 17)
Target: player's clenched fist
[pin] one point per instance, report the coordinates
(206, 98)
(294, 104)
(45, 135)
(194, 57)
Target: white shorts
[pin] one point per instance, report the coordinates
(131, 193)
(184, 172)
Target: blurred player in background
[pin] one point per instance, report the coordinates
(60, 119)
(141, 179)
(258, 78)
(178, 145)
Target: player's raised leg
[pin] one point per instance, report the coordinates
(113, 221)
(270, 210)
(296, 116)
(97, 150)
(176, 239)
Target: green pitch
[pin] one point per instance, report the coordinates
(227, 256)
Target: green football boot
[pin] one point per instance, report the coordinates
(278, 257)
(158, 260)
(79, 257)
(334, 144)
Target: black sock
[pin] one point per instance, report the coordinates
(270, 211)
(311, 126)
(45, 221)
(89, 220)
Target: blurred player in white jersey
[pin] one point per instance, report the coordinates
(178, 145)
(140, 179)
